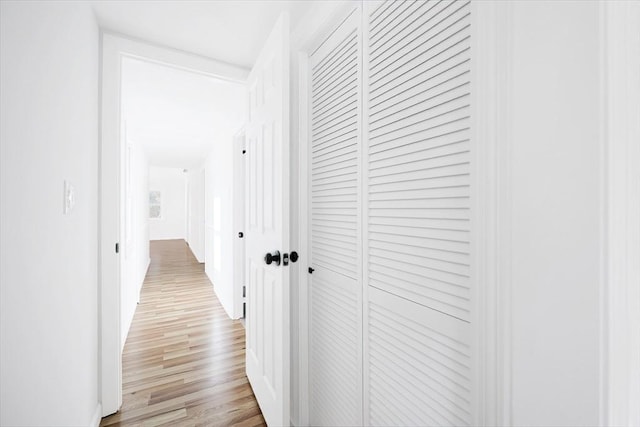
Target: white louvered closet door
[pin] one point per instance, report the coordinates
(335, 354)
(416, 232)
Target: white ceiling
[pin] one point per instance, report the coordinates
(178, 116)
(229, 31)
(175, 115)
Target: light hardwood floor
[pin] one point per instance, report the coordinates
(183, 362)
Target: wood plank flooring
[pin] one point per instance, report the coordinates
(183, 362)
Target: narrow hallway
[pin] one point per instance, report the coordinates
(184, 359)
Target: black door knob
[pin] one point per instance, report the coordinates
(240, 235)
(273, 257)
(293, 256)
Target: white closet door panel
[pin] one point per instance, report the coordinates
(381, 22)
(436, 117)
(397, 74)
(332, 109)
(420, 78)
(449, 96)
(335, 365)
(424, 138)
(345, 141)
(434, 147)
(334, 90)
(421, 17)
(417, 343)
(441, 224)
(439, 86)
(451, 248)
(434, 24)
(402, 183)
(340, 114)
(334, 374)
(426, 203)
(419, 364)
(429, 177)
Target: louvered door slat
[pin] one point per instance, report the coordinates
(437, 21)
(393, 18)
(416, 368)
(335, 367)
(417, 230)
(415, 80)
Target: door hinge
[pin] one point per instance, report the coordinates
(117, 248)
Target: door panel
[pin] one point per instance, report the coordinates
(267, 352)
(417, 339)
(390, 160)
(419, 364)
(335, 365)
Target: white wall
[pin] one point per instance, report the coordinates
(171, 182)
(556, 213)
(219, 224)
(48, 268)
(196, 212)
(135, 255)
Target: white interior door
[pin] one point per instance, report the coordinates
(335, 297)
(267, 325)
(417, 180)
(390, 297)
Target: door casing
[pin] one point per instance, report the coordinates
(491, 21)
(114, 49)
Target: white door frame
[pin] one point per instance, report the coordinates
(491, 79)
(114, 49)
(620, 365)
(491, 90)
(239, 225)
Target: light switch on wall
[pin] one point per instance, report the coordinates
(69, 197)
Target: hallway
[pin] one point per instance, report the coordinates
(184, 359)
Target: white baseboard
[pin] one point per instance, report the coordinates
(97, 416)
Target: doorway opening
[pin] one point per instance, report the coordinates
(168, 127)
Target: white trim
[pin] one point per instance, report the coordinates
(239, 225)
(110, 194)
(114, 48)
(620, 373)
(364, 45)
(178, 59)
(491, 200)
(304, 130)
(97, 416)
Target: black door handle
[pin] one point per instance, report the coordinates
(240, 235)
(274, 257)
(294, 256)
